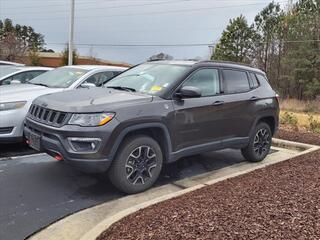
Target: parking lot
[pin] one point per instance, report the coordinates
(39, 190)
(15, 150)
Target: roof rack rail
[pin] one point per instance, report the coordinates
(156, 59)
(230, 62)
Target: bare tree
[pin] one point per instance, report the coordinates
(12, 47)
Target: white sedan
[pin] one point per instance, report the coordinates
(16, 74)
(15, 99)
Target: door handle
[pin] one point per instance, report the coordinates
(217, 103)
(253, 98)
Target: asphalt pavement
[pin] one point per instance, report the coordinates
(15, 149)
(36, 191)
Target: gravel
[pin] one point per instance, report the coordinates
(281, 201)
(299, 136)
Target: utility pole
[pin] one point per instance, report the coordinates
(71, 30)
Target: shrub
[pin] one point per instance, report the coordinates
(314, 125)
(288, 118)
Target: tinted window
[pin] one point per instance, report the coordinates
(254, 81)
(235, 81)
(207, 80)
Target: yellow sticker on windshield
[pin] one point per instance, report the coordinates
(156, 88)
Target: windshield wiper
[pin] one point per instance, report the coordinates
(39, 84)
(122, 88)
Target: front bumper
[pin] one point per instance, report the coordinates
(54, 141)
(11, 125)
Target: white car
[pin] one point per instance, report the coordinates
(14, 74)
(15, 100)
(6, 63)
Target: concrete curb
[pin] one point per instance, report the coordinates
(97, 230)
(291, 145)
(105, 224)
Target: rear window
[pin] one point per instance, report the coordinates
(235, 81)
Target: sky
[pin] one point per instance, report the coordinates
(102, 25)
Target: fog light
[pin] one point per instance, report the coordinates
(84, 144)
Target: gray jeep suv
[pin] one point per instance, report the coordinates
(156, 113)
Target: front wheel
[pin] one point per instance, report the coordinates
(137, 165)
(259, 145)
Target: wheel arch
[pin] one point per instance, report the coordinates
(157, 131)
(271, 121)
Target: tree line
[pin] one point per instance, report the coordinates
(284, 43)
(18, 40)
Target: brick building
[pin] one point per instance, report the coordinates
(48, 59)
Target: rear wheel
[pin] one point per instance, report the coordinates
(137, 165)
(259, 145)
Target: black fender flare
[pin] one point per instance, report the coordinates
(258, 119)
(141, 126)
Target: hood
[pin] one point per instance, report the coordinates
(23, 92)
(91, 100)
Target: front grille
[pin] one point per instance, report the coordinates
(6, 130)
(48, 116)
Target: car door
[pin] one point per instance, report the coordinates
(198, 120)
(239, 106)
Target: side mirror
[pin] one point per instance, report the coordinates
(87, 85)
(188, 92)
(15, 81)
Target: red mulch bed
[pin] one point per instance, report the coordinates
(298, 136)
(277, 202)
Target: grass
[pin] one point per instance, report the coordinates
(294, 105)
(302, 118)
(300, 114)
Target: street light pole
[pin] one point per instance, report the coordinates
(71, 27)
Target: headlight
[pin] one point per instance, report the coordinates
(11, 105)
(91, 119)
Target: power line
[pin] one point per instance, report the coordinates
(136, 45)
(154, 29)
(101, 8)
(166, 45)
(152, 13)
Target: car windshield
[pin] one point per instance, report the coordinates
(149, 78)
(59, 78)
(4, 71)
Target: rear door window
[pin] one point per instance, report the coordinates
(235, 81)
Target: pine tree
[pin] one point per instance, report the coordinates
(236, 42)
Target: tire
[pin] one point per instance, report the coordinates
(257, 151)
(137, 165)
